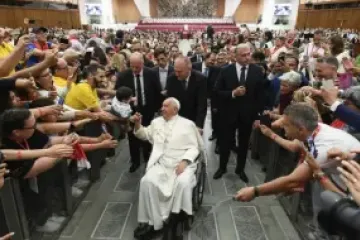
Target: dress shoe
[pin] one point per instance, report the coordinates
(218, 174)
(243, 176)
(140, 228)
(145, 232)
(212, 137)
(134, 167)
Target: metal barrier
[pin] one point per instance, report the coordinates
(279, 162)
(12, 213)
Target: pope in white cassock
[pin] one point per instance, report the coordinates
(170, 174)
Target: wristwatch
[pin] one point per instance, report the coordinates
(256, 191)
(318, 175)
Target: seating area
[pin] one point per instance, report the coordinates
(192, 25)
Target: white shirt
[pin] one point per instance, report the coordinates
(327, 138)
(238, 70)
(142, 87)
(163, 73)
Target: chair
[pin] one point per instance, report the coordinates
(183, 222)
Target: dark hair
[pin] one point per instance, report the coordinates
(100, 56)
(13, 119)
(337, 45)
(41, 102)
(241, 39)
(329, 60)
(318, 32)
(260, 56)
(268, 35)
(91, 70)
(159, 51)
(123, 93)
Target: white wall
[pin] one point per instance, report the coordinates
(144, 7)
(82, 11)
(230, 7)
(107, 9)
(268, 14)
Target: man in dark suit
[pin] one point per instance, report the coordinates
(210, 32)
(198, 54)
(208, 69)
(240, 88)
(164, 69)
(190, 88)
(146, 87)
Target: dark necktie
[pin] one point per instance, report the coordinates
(138, 91)
(242, 76)
(184, 84)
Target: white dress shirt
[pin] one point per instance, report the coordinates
(238, 70)
(163, 73)
(142, 87)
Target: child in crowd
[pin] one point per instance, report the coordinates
(120, 106)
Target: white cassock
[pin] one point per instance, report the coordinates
(161, 190)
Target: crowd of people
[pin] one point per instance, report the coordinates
(54, 82)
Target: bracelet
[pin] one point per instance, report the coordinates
(19, 155)
(256, 191)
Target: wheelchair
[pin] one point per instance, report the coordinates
(176, 228)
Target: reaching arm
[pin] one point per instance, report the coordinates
(284, 184)
(35, 70)
(9, 63)
(60, 127)
(144, 133)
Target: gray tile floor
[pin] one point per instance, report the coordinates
(110, 209)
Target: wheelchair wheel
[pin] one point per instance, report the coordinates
(198, 193)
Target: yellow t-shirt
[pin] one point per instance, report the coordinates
(82, 97)
(5, 51)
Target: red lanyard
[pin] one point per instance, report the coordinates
(25, 146)
(316, 132)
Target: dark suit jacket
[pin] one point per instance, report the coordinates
(193, 99)
(348, 116)
(152, 90)
(246, 107)
(195, 59)
(197, 66)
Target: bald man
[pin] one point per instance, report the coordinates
(146, 87)
(190, 88)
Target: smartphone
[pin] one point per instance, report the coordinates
(61, 101)
(265, 120)
(328, 84)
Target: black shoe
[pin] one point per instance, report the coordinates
(145, 232)
(212, 137)
(140, 228)
(243, 176)
(134, 167)
(217, 150)
(218, 174)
